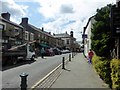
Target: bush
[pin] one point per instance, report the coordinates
(115, 74)
(102, 66)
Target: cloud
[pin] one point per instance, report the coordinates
(16, 11)
(62, 15)
(68, 23)
(62, 11)
(66, 9)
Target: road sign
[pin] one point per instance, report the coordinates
(84, 36)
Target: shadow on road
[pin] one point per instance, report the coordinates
(22, 62)
(67, 70)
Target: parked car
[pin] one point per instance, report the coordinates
(65, 51)
(49, 52)
(57, 51)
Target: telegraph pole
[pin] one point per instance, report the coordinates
(118, 41)
(115, 25)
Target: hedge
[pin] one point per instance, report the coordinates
(115, 74)
(102, 66)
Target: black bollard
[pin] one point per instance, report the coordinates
(63, 63)
(23, 81)
(69, 57)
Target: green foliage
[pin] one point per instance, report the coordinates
(101, 34)
(102, 66)
(115, 75)
(108, 70)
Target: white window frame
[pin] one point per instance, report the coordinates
(26, 35)
(45, 37)
(42, 36)
(67, 41)
(1, 27)
(31, 36)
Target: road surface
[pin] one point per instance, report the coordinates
(36, 70)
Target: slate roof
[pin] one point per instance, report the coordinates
(38, 29)
(10, 22)
(62, 35)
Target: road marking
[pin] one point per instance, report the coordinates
(34, 86)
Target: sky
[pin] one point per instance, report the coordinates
(56, 16)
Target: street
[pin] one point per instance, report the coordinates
(80, 40)
(36, 70)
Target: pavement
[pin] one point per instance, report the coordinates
(78, 73)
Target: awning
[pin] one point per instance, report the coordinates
(44, 45)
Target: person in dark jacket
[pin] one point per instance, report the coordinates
(37, 48)
(42, 52)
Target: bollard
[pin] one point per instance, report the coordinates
(23, 81)
(63, 63)
(72, 55)
(69, 57)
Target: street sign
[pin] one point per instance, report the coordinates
(84, 36)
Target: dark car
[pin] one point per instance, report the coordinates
(57, 51)
(49, 52)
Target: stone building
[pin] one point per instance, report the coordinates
(34, 33)
(12, 33)
(69, 40)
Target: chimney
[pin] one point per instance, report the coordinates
(66, 32)
(71, 33)
(53, 34)
(6, 16)
(42, 28)
(24, 20)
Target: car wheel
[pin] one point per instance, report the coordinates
(33, 58)
(14, 60)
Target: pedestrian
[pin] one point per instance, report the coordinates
(42, 52)
(90, 56)
(37, 48)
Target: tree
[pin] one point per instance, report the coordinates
(101, 33)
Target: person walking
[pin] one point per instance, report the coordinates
(90, 56)
(42, 52)
(37, 48)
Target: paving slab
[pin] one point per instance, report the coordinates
(79, 74)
